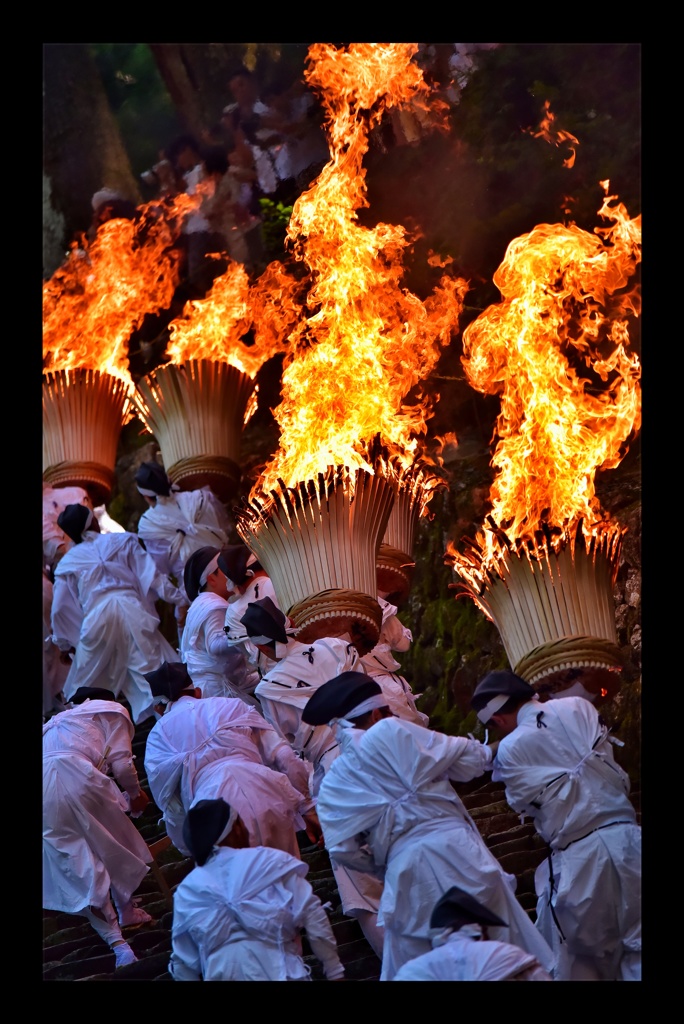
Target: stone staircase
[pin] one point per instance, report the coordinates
(73, 952)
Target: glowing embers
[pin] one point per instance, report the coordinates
(196, 411)
(318, 542)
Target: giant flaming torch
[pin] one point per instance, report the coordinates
(90, 307)
(197, 404)
(319, 511)
(557, 350)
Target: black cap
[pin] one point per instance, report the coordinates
(233, 562)
(194, 567)
(73, 521)
(457, 907)
(152, 477)
(499, 684)
(203, 826)
(92, 693)
(264, 618)
(170, 680)
(339, 696)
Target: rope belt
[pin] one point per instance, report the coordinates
(597, 829)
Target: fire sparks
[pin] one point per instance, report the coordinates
(103, 290)
(367, 342)
(557, 350)
(555, 135)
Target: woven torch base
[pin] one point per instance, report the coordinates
(220, 474)
(552, 667)
(335, 612)
(94, 478)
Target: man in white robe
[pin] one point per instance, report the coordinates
(249, 582)
(462, 950)
(216, 665)
(91, 849)
(556, 762)
(387, 806)
(240, 913)
(103, 611)
(205, 748)
(382, 666)
(176, 523)
(284, 692)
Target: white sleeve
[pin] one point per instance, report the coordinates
(120, 756)
(66, 613)
(277, 753)
(184, 964)
(471, 759)
(314, 920)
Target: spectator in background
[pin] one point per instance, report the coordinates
(205, 258)
(255, 124)
(227, 211)
(304, 150)
(107, 205)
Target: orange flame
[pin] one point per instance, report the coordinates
(557, 351)
(366, 341)
(214, 327)
(555, 135)
(102, 292)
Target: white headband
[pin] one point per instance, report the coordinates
(88, 520)
(485, 713)
(210, 567)
(495, 703)
(378, 700)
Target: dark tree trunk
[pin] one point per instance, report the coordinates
(82, 147)
(196, 76)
